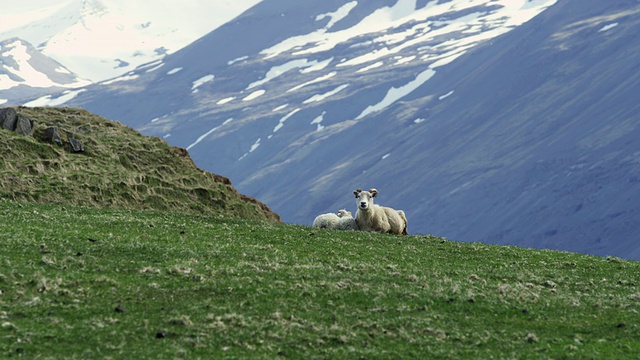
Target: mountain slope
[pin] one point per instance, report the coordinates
(115, 167)
(485, 121)
(547, 147)
(102, 39)
(25, 72)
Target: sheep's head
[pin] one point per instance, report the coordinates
(343, 213)
(364, 199)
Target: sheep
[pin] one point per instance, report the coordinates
(346, 222)
(370, 217)
(341, 221)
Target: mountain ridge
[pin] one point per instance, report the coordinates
(102, 39)
(26, 73)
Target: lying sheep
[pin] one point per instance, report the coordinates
(341, 221)
(371, 217)
(346, 222)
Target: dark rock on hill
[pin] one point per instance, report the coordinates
(12, 121)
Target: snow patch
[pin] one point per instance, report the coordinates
(446, 95)
(280, 70)
(281, 107)
(121, 78)
(203, 80)
(174, 71)
(385, 156)
(254, 147)
(285, 118)
(395, 94)
(322, 97)
(254, 95)
(404, 26)
(403, 60)
(49, 101)
(226, 100)
(318, 121)
(337, 15)
(154, 68)
(316, 66)
(314, 37)
(608, 27)
(62, 70)
(242, 58)
(154, 120)
(316, 80)
(372, 66)
(208, 133)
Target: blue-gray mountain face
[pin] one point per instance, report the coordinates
(529, 137)
(25, 73)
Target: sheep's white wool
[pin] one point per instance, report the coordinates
(372, 217)
(341, 221)
(326, 221)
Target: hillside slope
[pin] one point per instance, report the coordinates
(152, 285)
(480, 127)
(118, 168)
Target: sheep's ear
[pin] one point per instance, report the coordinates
(357, 192)
(373, 192)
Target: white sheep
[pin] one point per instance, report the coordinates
(341, 221)
(372, 217)
(346, 222)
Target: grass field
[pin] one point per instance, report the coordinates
(101, 283)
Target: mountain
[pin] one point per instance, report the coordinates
(508, 122)
(25, 72)
(102, 39)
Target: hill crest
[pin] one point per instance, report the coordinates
(118, 168)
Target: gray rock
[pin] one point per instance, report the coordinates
(24, 125)
(8, 118)
(52, 134)
(76, 145)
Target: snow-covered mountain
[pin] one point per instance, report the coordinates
(102, 39)
(501, 121)
(25, 72)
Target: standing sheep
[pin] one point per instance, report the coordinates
(371, 217)
(341, 221)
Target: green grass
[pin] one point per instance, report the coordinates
(120, 169)
(79, 282)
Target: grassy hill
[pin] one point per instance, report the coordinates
(119, 168)
(81, 282)
(129, 251)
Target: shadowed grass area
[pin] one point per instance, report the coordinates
(119, 169)
(81, 282)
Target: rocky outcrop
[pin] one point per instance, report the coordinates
(76, 145)
(52, 135)
(21, 124)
